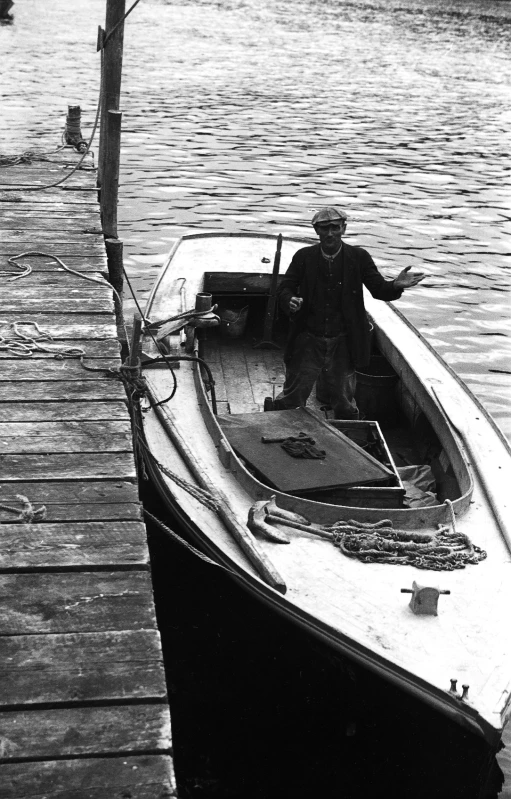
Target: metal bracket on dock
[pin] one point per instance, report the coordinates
(424, 601)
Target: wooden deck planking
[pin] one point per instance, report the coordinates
(83, 708)
(107, 666)
(73, 546)
(237, 381)
(84, 731)
(47, 271)
(246, 372)
(94, 778)
(65, 602)
(18, 411)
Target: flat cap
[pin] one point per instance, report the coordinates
(329, 214)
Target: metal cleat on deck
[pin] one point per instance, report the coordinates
(424, 601)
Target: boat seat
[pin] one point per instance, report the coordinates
(240, 284)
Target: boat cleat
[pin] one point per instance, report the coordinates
(453, 690)
(424, 600)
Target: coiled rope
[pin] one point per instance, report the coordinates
(28, 156)
(444, 550)
(27, 514)
(22, 345)
(27, 270)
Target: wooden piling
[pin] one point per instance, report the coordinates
(110, 185)
(112, 73)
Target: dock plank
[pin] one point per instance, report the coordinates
(128, 511)
(58, 197)
(71, 493)
(85, 545)
(62, 249)
(58, 444)
(71, 602)
(17, 411)
(68, 428)
(143, 777)
(73, 501)
(48, 304)
(35, 370)
(34, 220)
(62, 391)
(47, 271)
(91, 466)
(80, 668)
(84, 731)
(48, 286)
(62, 325)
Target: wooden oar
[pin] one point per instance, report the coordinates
(239, 531)
(267, 342)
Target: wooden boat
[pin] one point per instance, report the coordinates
(445, 641)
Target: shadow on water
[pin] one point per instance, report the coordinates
(261, 710)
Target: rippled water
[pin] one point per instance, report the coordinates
(249, 115)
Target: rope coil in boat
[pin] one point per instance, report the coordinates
(443, 550)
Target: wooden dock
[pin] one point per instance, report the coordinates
(83, 704)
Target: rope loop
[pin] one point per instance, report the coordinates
(27, 514)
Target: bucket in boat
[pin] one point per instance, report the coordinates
(376, 391)
(233, 322)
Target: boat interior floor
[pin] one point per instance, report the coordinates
(245, 375)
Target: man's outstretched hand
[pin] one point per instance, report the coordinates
(407, 279)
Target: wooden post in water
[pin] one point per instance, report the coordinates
(114, 250)
(136, 342)
(112, 73)
(110, 184)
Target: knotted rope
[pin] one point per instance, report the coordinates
(380, 542)
(28, 156)
(27, 269)
(22, 345)
(27, 514)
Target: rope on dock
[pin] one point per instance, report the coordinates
(102, 281)
(22, 345)
(28, 156)
(27, 514)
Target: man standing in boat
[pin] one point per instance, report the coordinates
(329, 337)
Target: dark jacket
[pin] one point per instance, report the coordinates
(358, 270)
